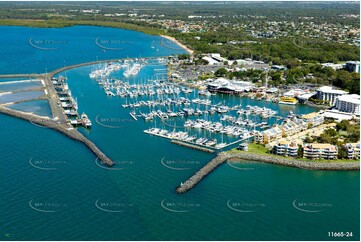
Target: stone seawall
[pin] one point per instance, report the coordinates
(67, 130)
(311, 165)
(224, 156)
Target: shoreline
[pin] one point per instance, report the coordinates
(190, 51)
(222, 157)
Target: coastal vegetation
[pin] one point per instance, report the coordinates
(307, 73)
(61, 23)
(280, 51)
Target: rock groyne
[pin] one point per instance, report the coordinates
(241, 156)
(67, 130)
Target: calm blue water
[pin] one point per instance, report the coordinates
(11, 79)
(54, 189)
(52, 48)
(38, 107)
(15, 86)
(20, 96)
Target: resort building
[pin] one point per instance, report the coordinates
(320, 151)
(288, 128)
(313, 119)
(284, 148)
(291, 127)
(278, 68)
(333, 66)
(295, 93)
(211, 61)
(218, 57)
(328, 94)
(348, 104)
(353, 150)
(353, 66)
(258, 136)
(222, 85)
(271, 135)
(338, 116)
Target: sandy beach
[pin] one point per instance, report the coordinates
(178, 43)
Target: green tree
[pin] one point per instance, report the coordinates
(221, 72)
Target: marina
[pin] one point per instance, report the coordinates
(185, 114)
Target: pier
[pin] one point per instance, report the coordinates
(196, 147)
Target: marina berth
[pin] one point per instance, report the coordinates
(158, 99)
(133, 70)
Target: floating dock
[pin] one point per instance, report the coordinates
(196, 147)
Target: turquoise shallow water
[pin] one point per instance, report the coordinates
(38, 107)
(15, 86)
(20, 96)
(52, 188)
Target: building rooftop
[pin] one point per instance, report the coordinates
(351, 98)
(328, 89)
(338, 115)
(353, 62)
(320, 146)
(310, 115)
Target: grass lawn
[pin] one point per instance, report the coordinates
(253, 148)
